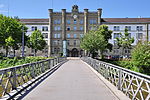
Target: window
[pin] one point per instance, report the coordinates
(92, 21)
(116, 28)
(68, 21)
(74, 42)
(75, 35)
(81, 35)
(68, 28)
(44, 28)
(92, 28)
(140, 35)
(81, 28)
(139, 28)
(128, 28)
(127, 51)
(68, 35)
(57, 28)
(75, 21)
(116, 35)
(33, 28)
(74, 28)
(45, 35)
(54, 42)
(57, 35)
(57, 21)
(81, 21)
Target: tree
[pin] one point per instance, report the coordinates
(10, 42)
(11, 27)
(124, 41)
(141, 56)
(103, 30)
(97, 40)
(93, 42)
(36, 41)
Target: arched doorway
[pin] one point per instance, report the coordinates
(74, 52)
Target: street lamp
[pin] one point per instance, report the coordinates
(23, 42)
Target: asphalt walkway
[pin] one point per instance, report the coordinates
(74, 80)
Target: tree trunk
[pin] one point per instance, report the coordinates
(35, 51)
(6, 51)
(122, 52)
(14, 52)
(101, 54)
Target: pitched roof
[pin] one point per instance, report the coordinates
(35, 20)
(126, 20)
(107, 20)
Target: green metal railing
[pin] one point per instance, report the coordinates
(135, 85)
(14, 77)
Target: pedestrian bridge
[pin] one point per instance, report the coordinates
(74, 79)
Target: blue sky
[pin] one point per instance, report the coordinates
(111, 8)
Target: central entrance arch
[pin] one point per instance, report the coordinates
(74, 52)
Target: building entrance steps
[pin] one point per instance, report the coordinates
(74, 80)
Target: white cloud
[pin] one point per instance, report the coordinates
(2, 5)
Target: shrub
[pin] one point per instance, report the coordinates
(9, 62)
(141, 57)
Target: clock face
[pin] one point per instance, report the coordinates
(75, 16)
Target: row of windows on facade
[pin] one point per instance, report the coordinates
(75, 21)
(116, 28)
(44, 28)
(117, 51)
(138, 28)
(58, 42)
(58, 35)
(58, 28)
(139, 35)
(116, 35)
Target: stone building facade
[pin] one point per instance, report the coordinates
(71, 26)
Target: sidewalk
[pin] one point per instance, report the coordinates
(74, 80)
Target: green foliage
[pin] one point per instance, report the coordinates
(10, 41)
(141, 54)
(36, 41)
(11, 32)
(103, 30)
(125, 41)
(7, 62)
(93, 42)
(96, 40)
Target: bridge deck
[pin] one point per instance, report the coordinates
(72, 81)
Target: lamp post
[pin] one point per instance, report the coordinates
(23, 42)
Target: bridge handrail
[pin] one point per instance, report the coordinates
(13, 77)
(135, 85)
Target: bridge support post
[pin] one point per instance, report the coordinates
(49, 64)
(14, 84)
(33, 73)
(120, 79)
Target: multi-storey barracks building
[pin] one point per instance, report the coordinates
(71, 26)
